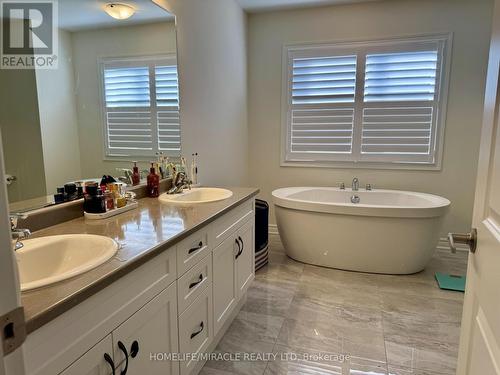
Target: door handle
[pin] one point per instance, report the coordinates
(108, 359)
(469, 239)
(124, 350)
(238, 240)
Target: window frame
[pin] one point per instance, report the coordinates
(444, 42)
(130, 61)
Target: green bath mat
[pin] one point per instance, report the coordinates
(451, 282)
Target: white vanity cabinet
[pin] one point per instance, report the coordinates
(179, 302)
(152, 329)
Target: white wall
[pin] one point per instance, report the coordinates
(88, 48)
(211, 45)
(58, 118)
(470, 21)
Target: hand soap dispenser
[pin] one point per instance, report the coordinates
(153, 183)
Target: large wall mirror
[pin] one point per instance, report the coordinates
(112, 100)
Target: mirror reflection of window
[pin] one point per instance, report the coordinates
(141, 106)
(112, 100)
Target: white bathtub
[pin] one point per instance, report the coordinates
(388, 231)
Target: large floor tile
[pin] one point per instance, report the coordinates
(398, 324)
(426, 308)
(428, 356)
(333, 338)
(250, 326)
(269, 297)
(314, 310)
(289, 360)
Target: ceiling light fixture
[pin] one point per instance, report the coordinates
(119, 11)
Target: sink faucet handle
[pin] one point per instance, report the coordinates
(369, 187)
(342, 186)
(14, 217)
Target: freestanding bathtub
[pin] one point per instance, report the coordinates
(388, 231)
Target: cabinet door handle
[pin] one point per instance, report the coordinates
(134, 349)
(200, 279)
(196, 248)
(124, 350)
(108, 359)
(194, 334)
(241, 248)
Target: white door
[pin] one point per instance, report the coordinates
(245, 261)
(151, 331)
(11, 364)
(480, 338)
(224, 281)
(97, 361)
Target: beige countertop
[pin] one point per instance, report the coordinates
(142, 233)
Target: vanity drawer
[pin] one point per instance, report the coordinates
(193, 282)
(227, 224)
(191, 250)
(195, 329)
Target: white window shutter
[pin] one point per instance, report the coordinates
(167, 101)
(128, 114)
(322, 111)
(375, 104)
(400, 89)
(141, 106)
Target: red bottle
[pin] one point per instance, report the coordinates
(153, 181)
(136, 176)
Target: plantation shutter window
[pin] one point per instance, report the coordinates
(141, 106)
(368, 104)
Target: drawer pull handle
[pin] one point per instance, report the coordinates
(193, 249)
(238, 240)
(108, 359)
(124, 350)
(194, 334)
(134, 349)
(200, 279)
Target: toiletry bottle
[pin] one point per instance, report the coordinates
(136, 176)
(194, 170)
(153, 183)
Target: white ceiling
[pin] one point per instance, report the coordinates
(77, 15)
(89, 14)
(266, 5)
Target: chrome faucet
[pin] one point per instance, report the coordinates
(18, 234)
(355, 184)
(179, 183)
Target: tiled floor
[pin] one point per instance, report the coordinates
(400, 325)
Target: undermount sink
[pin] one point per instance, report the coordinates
(47, 260)
(197, 195)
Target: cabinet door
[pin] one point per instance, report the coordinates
(224, 281)
(245, 261)
(93, 362)
(152, 332)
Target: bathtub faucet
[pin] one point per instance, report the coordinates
(355, 184)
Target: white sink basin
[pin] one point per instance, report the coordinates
(47, 260)
(197, 195)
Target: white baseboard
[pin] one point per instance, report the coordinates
(442, 245)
